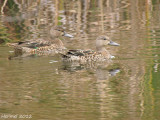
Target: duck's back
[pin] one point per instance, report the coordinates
(83, 56)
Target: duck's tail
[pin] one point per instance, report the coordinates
(12, 44)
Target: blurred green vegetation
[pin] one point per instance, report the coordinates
(10, 31)
(11, 8)
(4, 34)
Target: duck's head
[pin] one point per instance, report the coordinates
(58, 31)
(103, 40)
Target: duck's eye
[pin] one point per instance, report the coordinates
(104, 39)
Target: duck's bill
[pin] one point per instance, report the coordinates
(68, 35)
(113, 43)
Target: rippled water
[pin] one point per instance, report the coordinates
(127, 88)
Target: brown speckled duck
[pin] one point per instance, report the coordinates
(49, 44)
(101, 54)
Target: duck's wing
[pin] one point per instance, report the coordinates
(18, 44)
(80, 52)
(34, 43)
(30, 44)
(88, 52)
(72, 53)
(75, 53)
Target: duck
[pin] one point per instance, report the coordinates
(101, 53)
(49, 44)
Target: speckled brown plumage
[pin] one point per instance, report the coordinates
(101, 54)
(50, 44)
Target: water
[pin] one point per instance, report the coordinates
(45, 88)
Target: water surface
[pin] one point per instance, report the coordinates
(127, 88)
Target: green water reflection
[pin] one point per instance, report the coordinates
(126, 88)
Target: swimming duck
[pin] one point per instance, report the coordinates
(101, 54)
(43, 45)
